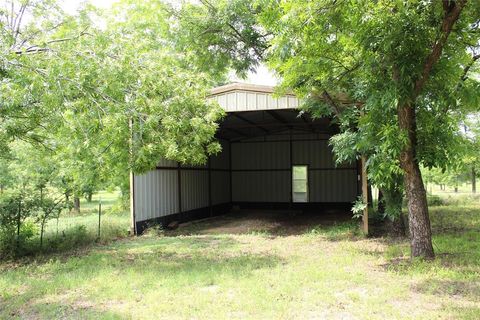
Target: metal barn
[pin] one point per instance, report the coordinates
(272, 157)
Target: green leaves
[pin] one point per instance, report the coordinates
(94, 73)
(221, 35)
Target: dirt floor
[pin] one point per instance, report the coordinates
(274, 222)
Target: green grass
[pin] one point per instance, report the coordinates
(324, 273)
(108, 198)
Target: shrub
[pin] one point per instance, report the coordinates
(434, 200)
(117, 208)
(15, 209)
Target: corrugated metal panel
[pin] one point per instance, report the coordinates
(220, 187)
(222, 100)
(199, 166)
(261, 101)
(317, 154)
(155, 194)
(231, 103)
(333, 185)
(194, 188)
(283, 103)
(305, 136)
(245, 100)
(323, 136)
(251, 101)
(276, 137)
(272, 103)
(314, 153)
(267, 155)
(292, 102)
(255, 139)
(261, 186)
(242, 100)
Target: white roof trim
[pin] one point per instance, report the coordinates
(238, 86)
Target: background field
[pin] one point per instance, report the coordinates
(113, 219)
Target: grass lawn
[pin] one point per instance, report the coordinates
(198, 273)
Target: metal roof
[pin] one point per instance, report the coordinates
(253, 111)
(237, 97)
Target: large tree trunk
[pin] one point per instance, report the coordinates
(474, 180)
(418, 219)
(76, 204)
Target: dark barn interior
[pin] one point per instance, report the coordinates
(274, 165)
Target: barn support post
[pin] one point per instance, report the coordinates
(291, 168)
(230, 170)
(179, 190)
(132, 203)
(364, 194)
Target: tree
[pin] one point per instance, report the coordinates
(73, 86)
(409, 61)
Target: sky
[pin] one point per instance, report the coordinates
(262, 75)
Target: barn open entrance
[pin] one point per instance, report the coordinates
(275, 161)
(281, 160)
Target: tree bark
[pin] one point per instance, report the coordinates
(419, 221)
(76, 204)
(474, 180)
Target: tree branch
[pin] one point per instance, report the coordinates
(332, 103)
(37, 49)
(452, 13)
(20, 15)
(240, 37)
(469, 66)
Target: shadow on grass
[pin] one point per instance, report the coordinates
(61, 310)
(459, 288)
